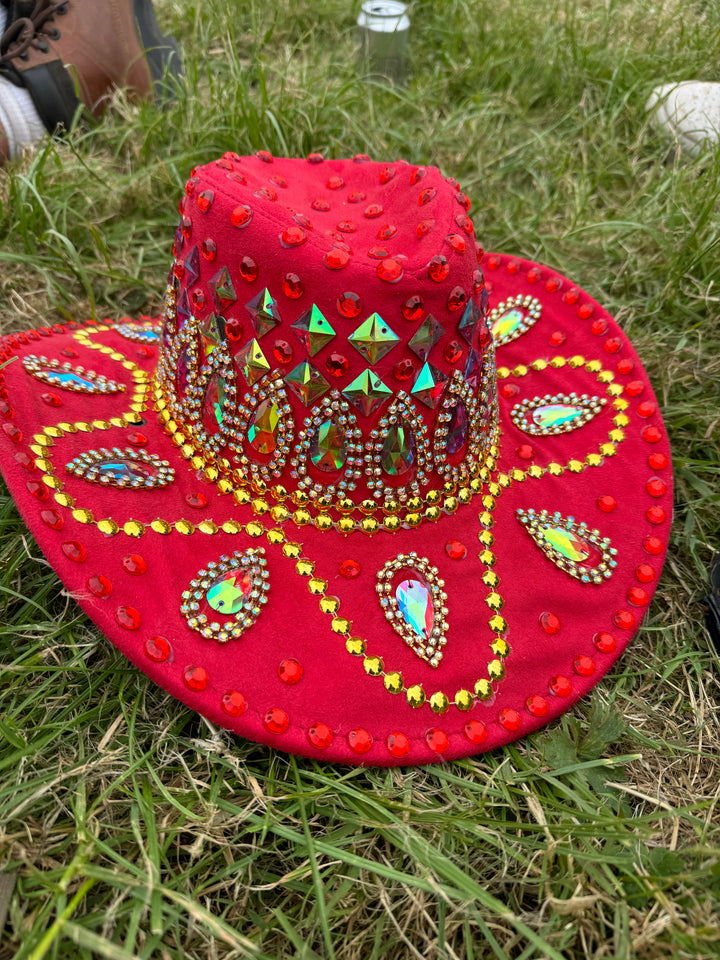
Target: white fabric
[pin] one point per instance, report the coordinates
(3, 18)
(18, 117)
(688, 112)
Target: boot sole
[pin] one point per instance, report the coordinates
(161, 51)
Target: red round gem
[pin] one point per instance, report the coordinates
(508, 390)
(69, 352)
(13, 431)
(293, 287)
(248, 269)
(198, 298)
(463, 200)
(652, 435)
(390, 270)
(412, 309)
(558, 338)
(321, 205)
(653, 545)
(265, 156)
(335, 183)
(398, 745)
(38, 489)
(403, 369)
(510, 719)
(598, 327)
(560, 686)
(25, 460)
(373, 210)
(536, 705)
(553, 284)
(417, 175)
(145, 352)
(453, 351)
(320, 735)
(585, 311)
(605, 642)
(233, 703)
(279, 181)
(478, 281)
(337, 365)
(634, 388)
(456, 299)
(612, 345)
(302, 221)
(349, 304)
(137, 439)
(276, 720)
(196, 500)
(51, 399)
(646, 409)
(233, 329)
(656, 515)
(456, 550)
(645, 573)
(196, 678)
(157, 649)
(637, 596)
(464, 222)
(438, 268)
(205, 200)
(266, 193)
(625, 366)
(52, 518)
(208, 248)
(584, 666)
(657, 461)
(134, 564)
(475, 731)
(315, 158)
(386, 174)
(349, 569)
(378, 253)
(456, 241)
(283, 352)
(550, 623)
(525, 451)
(186, 227)
(426, 195)
(74, 551)
(128, 618)
(346, 226)
(437, 740)
(607, 503)
(359, 740)
(191, 184)
(241, 215)
(336, 258)
(571, 296)
(624, 619)
(656, 487)
(424, 227)
(99, 585)
(387, 232)
(290, 671)
(293, 237)
(512, 266)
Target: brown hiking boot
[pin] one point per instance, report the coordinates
(76, 51)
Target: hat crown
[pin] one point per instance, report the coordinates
(325, 332)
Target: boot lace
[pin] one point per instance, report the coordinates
(27, 32)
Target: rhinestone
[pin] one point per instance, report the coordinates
(233, 703)
(283, 352)
(196, 678)
(426, 336)
(398, 745)
(157, 649)
(290, 671)
(404, 369)
(293, 287)
(214, 403)
(313, 330)
(52, 399)
(550, 623)
(437, 740)
(415, 606)
(374, 338)
(337, 365)
(205, 200)
(560, 686)
(276, 721)
(336, 258)
(229, 593)
(438, 269)
(475, 731)
(429, 385)
(359, 740)
(134, 564)
(456, 550)
(413, 307)
(263, 428)
(210, 333)
(367, 392)
(349, 569)
(248, 269)
(128, 618)
(510, 720)
(453, 352)
(264, 312)
(457, 430)
(469, 321)
(607, 503)
(387, 232)
(328, 448)
(252, 362)
(306, 382)
(537, 706)
(222, 290)
(426, 195)
(192, 267)
(208, 248)
(320, 735)
(349, 305)
(99, 585)
(321, 205)
(196, 500)
(456, 299)
(233, 330)
(424, 227)
(373, 210)
(52, 518)
(567, 543)
(398, 451)
(584, 666)
(120, 468)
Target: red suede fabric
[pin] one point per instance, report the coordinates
(625, 492)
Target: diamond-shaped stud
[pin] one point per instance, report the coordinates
(264, 312)
(192, 267)
(469, 321)
(367, 392)
(183, 309)
(252, 362)
(426, 336)
(222, 290)
(373, 338)
(306, 382)
(472, 369)
(210, 332)
(429, 385)
(313, 330)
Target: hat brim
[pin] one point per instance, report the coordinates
(322, 672)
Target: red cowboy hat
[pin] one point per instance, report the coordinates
(328, 500)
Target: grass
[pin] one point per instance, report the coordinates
(133, 829)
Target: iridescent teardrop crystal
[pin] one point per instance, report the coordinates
(117, 469)
(457, 429)
(328, 448)
(263, 428)
(567, 543)
(507, 323)
(398, 451)
(556, 414)
(228, 593)
(415, 606)
(214, 403)
(64, 378)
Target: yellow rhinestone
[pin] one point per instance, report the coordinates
(275, 536)
(329, 605)
(517, 475)
(340, 625)
(488, 502)
(64, 499)
(305, 567)
(160, 526)
(177, 440)
(323, 521)
(557, 362)
(390, 506)
(197, 463)
(554, 469)
(292, 550)
(575, 466)
(496, 670)
(254, 529)
(207, 526)
(53, 483)
(53, 431)
(114, 355)
(608, 449)
(413, 519)
(450, 504)
(355, 646)
(501, 648)
(495, 601)
(502, 373)
(373, 666)
(317, 587)
(464, 495)
(607, 376)
(415, 695)
(83, 516)
(43, 464)
(299, 498)
(260, 506)
(346, 525)
(392, 524)
(345, 505)
(617, 436)
(439, 703)
(486, 538)
(483, 689)
(164, 416)
(464, 700)
(280, 513)
(133, 528)
(592, 366)
(486, 519)
(184, 527)
(504, 480)
(108, 527)
(278, 492)
(211, 474)
(68, 427)
(494, 489)
(393, 682)
(187, 451)
(224, 486)
(490, 579)
(232, 527)
(620, 404)
(414, 504)
(594, 460)
(498, 624)
(539, 364)
(137, 408)
(476, 485)
(433, 514)
(488, 558)
(301, 517)
(576, 361)
(133, 417)
(101, 425)
(520, 370)
(535, 471)
(433, 496)
(614, 390)
(242, 497)
(43, 440)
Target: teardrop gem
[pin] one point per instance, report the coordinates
(122, 470)
(67, 377)
(398, 451)
(457, 429)
(214, 403)
(567, 543)
(513, 317)
(415, 606)
(556, 414)
(229, 593)
(573, 547)
(328, 448)
(507, 323)
(262, 431)
(236, 587)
